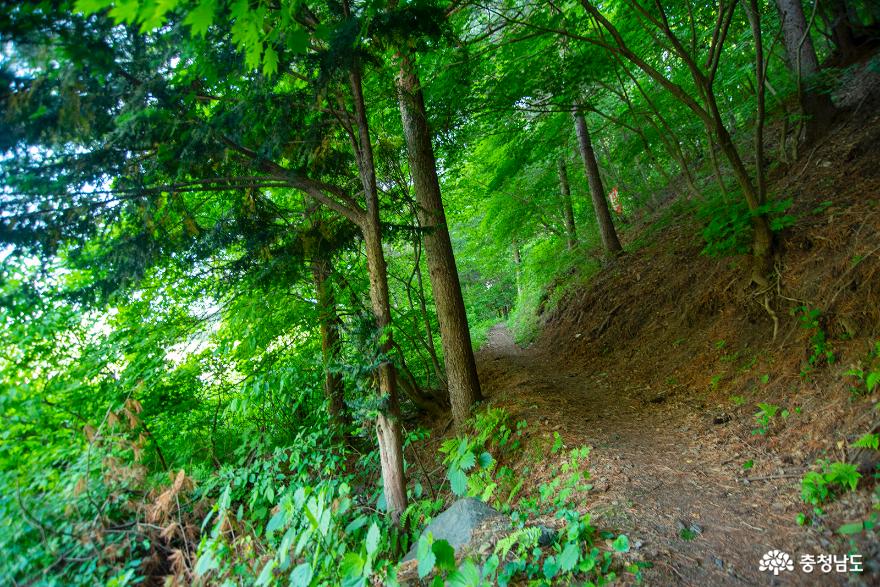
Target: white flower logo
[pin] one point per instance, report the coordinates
(776, 561)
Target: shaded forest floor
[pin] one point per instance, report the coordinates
(660, 360)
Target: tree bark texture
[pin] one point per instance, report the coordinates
(600, 204)
(802, 60)
(388, 428)
(330, 325)
(567, 207)
(458, 356)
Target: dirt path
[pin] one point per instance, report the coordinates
(658, 464)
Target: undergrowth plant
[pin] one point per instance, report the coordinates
(728, 224)
(820, 349)
(831, 480)
(867, 372)
(527, 552)
(868, 441)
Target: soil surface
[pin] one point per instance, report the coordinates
(658, 465)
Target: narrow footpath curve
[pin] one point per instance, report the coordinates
(657, 466)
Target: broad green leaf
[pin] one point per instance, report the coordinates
(445, 555)
(125, 11)
(852, 528)
(467, 575)
(425, 556)
(301, 575)
(276, 522)
(267, 575)
(270, 62)
(457, 481)
(373, 537)
(569, 557)
(91, 6)
(201, 18)
(352, 565)
(298, 41)
(621, 543)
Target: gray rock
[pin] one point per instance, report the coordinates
(456, 525)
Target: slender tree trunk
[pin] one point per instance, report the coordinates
(842, 34)
(330, 325)
(709, 113)
(426, 318)
(458, 355)
(567, 207)
(762, 235)
(754, 15)
(388, 430)
(606, 226)
(802, 60)
(517, 268)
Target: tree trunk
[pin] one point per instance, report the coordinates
(802, 60)
(388, 430)
(330, 326)
(567, 208)
(517, 268)
(842, 34)
(426, 318)
(762, 235)
(458, 355)
(597, 191)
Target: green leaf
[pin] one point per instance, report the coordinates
(356, 524)
(569, 557)
(872, 379)
(444, 554)
(206, 563)
(485, 459)
(467, 575)
(298, 41)
(90, 6)
(468, 460)
(853, 528)
(267, 575)
(125, 11)
(457, 481)
(621, 543)
(201, 18)
(426, 557)
(276, 522)
(270, 62)
(373, 537)
(551, 567)
(301, 575)
(352, 565)
(868, 440)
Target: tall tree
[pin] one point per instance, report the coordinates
(610, 242)
(567, 207)
(461, 369)
(802, 60)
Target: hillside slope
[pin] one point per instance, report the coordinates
(659, 363)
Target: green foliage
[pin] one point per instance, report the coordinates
(867, 372)
(728, 225)
(820, 350)
(573, 554)
(869, 440)
(764, 417)
(818, 487)
(493, 433)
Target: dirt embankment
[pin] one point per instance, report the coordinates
(660, 361)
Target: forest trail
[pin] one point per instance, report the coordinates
(657, 465)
